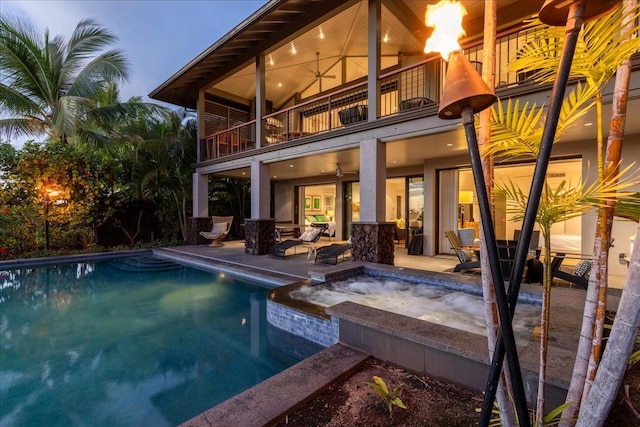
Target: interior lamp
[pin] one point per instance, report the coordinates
(464, 198)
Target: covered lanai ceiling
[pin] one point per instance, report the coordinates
(290, 32)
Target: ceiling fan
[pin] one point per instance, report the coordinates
(318, 74)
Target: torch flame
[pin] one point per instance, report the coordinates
(446, 18)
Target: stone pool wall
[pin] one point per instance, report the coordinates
(315, 329)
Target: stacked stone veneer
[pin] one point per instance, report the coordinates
(194, 226)
(259, 235)
(373, 242)
(315, 329)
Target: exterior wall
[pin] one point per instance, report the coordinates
(283, 198)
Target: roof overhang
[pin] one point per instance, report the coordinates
(269, 26)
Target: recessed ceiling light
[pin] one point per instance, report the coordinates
(386, 38)
(244, 173)
(280, 84)
(449, 145)
(323, 171)
(274, 176)
(588, 124)
(290, 166)
(394, 162)
(293, 49)
(271, 60)
(321, 34)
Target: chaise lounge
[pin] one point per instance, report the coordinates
(330, 254)
(308, 239)
(219, 231)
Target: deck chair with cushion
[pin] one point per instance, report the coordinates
(578, 275)
(465, 255)
(308, 239)
(219, 231)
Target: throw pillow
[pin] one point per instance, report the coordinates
(464, 255)
(310, 234)
(219, 228)
(582, 268)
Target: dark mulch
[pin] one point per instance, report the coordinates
(430, 402)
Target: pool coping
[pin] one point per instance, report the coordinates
(269, 401)
(64, 259)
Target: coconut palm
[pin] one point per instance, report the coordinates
(53, 86)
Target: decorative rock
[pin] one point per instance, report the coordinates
(259, 235)
(373, 242)
(194, 226)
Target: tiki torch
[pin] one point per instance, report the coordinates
(464, 94)
(571, 14)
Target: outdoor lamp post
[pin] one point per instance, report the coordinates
(571, 14)
(48, 193)
(47, 201)
(463, 95)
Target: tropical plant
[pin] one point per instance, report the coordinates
(516, 131)
(51, 86)
(391, 397)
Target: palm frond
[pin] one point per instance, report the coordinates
(600, 49)
(628, 208)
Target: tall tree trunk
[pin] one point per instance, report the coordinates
(598, 402)
(544, 325)
(505, 406)
(593, 317)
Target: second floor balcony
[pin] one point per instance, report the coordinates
(230, 129)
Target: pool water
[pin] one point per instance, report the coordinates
(108, 344)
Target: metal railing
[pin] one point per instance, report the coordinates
(229, 141)
(406, 89)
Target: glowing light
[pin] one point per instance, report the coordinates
(271, 60)
(321, 34)
(293, 49)
(385, 39)
(446, 20)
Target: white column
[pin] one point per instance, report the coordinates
(200, 195)
(373, 62)
(373, 175)
(260, 190)
(261, 100)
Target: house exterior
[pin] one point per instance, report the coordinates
(329, 108)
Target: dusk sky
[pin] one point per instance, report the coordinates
(158, 37)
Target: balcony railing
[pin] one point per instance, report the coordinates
(229, 141)
(402, 90)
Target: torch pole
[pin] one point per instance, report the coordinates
(574, 23)
(496, 272)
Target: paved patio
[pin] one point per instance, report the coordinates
(295, 266)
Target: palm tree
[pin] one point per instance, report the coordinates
(53, 86)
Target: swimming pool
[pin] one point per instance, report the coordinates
(128, 343)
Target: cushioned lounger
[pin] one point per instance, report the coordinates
(329, 254)
(280, 248)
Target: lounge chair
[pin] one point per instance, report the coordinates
(579, 274)
(464, 254)
(219, 231)
(308, 239)
(329, 254)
